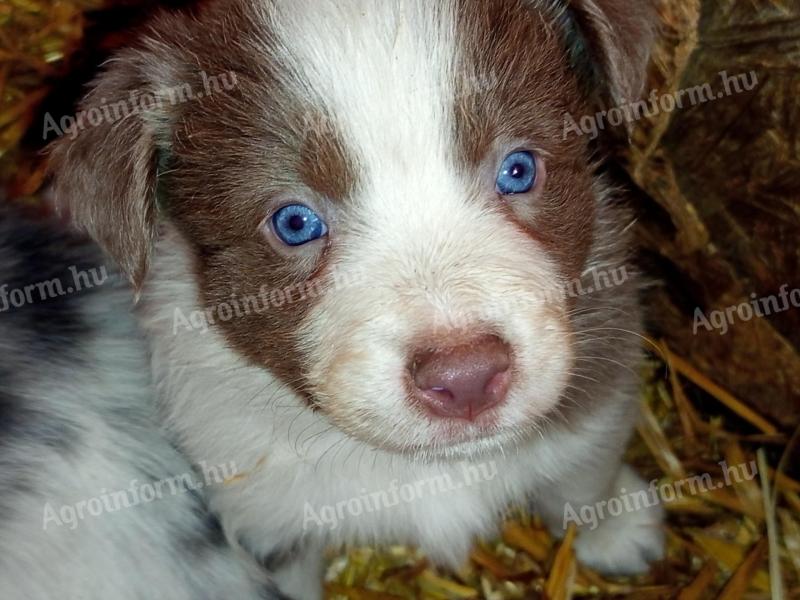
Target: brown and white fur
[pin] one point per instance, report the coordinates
(389, 118)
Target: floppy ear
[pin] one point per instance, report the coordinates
(105, 165)
(612, 41)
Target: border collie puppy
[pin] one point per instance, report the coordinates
(348, 226)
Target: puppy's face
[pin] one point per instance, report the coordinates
(392, 180)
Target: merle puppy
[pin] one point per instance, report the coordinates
(344, 226)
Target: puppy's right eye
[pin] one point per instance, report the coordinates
(297, 225)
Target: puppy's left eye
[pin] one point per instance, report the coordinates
(297, 225)
(517, 173)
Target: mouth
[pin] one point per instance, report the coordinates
(457, 442)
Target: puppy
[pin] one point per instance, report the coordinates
(349, 263)
(80, 438)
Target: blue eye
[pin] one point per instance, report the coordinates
(296, 225)
(517, 174)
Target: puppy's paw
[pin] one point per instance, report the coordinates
(623, 542)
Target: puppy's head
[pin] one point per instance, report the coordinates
(391, 177)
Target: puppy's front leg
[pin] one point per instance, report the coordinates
(619, 517)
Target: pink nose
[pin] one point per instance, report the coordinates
(465, 380)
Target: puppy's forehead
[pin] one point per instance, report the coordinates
(423, 83)
(382, 70)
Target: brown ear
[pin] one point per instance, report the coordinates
(613, 39)
(105, 165)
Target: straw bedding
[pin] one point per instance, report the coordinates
(717, 187)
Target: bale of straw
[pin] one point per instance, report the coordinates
(720, 212)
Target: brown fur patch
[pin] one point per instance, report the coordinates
(226, 159)
(232, 157)
(620, 35)
(525, 87)
(325, 164)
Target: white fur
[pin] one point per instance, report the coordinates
(224, 409)
(626, 544)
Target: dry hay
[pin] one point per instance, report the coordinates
(738, 541)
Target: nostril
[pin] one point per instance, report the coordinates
(465, 379)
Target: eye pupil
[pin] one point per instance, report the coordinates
(297, 223)
(517, 174)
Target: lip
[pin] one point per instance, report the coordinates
(458, 430)
(464, 441)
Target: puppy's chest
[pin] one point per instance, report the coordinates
(361, 497)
